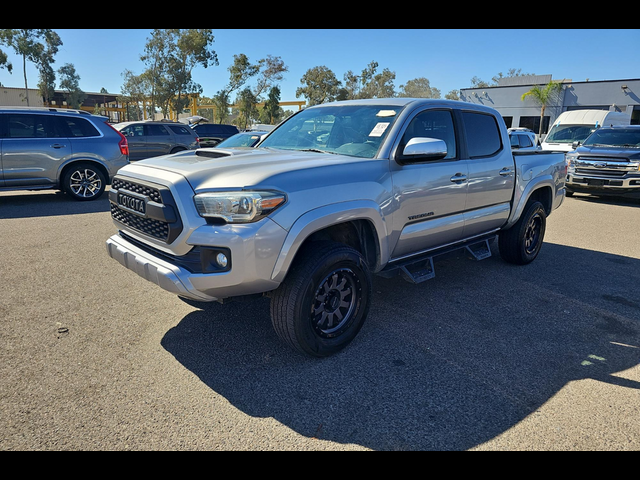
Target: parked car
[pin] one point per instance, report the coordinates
(153, 138)
(523, 139)
(607, 162)
(243, 139)
(49, 148)
(337, 192)
(211, 134)
(576, 125)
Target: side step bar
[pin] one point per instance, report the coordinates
(419, 269)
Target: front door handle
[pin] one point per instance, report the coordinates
(58, 145)
(459, 178)
(505, 172)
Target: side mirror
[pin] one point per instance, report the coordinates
(575, 145)
(419, 149)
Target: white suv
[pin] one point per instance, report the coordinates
(523, 139)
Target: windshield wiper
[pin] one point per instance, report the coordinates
(316, 150)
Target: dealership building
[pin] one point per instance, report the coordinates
(506, 98)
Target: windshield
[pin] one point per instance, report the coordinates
(241, 140)
(354, 130)
(569, 133)
(615, 137)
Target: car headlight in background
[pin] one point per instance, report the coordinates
(238, 207)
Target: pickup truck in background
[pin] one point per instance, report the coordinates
(607, 163)
(336, 193)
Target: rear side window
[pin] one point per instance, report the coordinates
(180, 130)
(79, 127)
(525, 141)
(21, 125)
(155, 130)
(483, 134)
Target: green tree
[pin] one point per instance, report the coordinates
(221, 101)
(246, 103)
(543, 96)
(369, 84)
(271, 111)
(37, 45)
(376, 85)
(320, 85)
(133, 92)
(70, 83)
(418, 88)
(453, 95)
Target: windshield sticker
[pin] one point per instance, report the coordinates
(386, 113)
(379, 129)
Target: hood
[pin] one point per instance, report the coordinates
(216, 168)
(611, 152)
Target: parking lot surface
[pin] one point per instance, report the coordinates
(485, 356)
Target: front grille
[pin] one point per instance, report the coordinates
(162, 221)
(148, 226)
(601, 173)
(152, 193)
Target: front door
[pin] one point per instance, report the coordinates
(33, 150)
(430, 195)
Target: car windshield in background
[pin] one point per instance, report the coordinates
(353, 130)
(245, 139)
(615, 137)
(569, 133)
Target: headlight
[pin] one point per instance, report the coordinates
(238, 207)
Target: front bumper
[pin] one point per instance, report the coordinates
(603, 184)
(253, 250)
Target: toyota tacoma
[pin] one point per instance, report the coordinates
(336, 193)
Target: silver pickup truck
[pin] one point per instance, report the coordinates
(335, 193)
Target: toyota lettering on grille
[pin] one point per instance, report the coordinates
(132, 204)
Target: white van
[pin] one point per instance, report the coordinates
(577, 125)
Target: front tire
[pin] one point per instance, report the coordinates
(84, 182)
(521, 243)
(324, 300)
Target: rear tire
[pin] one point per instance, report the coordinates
(323, 302)
(84, 182)
(521, 243)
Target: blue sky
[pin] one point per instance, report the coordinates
(448, 58)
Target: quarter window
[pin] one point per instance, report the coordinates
(483, 134)
(79, 127)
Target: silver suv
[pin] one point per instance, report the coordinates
(69, 150)
(152, 138)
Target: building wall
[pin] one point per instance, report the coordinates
(606, 94)
(15, 97)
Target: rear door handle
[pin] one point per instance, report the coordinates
(505, 172)
(58, 145)
(459, 178)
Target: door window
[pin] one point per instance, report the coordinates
(483, 134)
(21, 125)
(432, 124)
(133, 131)
(156, 130)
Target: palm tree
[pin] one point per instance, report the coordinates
(543, 96)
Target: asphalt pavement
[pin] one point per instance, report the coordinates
(485, 356)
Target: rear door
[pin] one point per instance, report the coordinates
(33, 149)
(159, 140)
(491, 173)
(136, 140)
